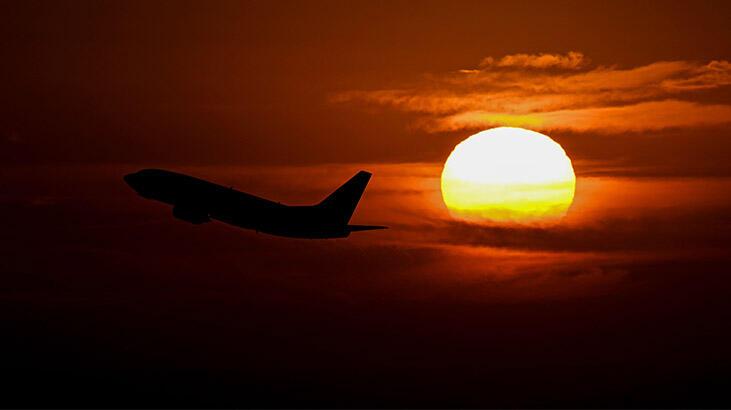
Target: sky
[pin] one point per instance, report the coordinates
(107, 299)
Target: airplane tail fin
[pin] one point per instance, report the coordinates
(343, 201)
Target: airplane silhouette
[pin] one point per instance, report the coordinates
(197, 201)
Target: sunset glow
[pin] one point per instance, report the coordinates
(366, 204)
(508, 174)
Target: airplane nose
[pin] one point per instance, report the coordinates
(131, 179)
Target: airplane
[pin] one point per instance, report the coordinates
(197, 201)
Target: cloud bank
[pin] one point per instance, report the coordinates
(555, 91)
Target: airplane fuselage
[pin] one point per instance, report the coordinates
(197, 201)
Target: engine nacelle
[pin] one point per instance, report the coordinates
(191, 214)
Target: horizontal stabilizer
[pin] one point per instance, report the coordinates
(356, 228)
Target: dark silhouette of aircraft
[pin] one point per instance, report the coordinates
(197, 201)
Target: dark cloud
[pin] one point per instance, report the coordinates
(103, 289)
(131, 295)
(671, 232)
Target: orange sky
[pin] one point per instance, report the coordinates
(624, 303)
(248, 82)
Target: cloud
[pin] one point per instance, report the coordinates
(536, 91)
(635, 117)
(573, 60)
(712, 75)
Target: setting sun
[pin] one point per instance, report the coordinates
(508, 174)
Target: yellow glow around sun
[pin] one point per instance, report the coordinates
(508, 174)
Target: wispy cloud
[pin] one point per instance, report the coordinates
(636, 117)
(553, 91)
(573, 60)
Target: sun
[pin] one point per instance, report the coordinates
(508, 174)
